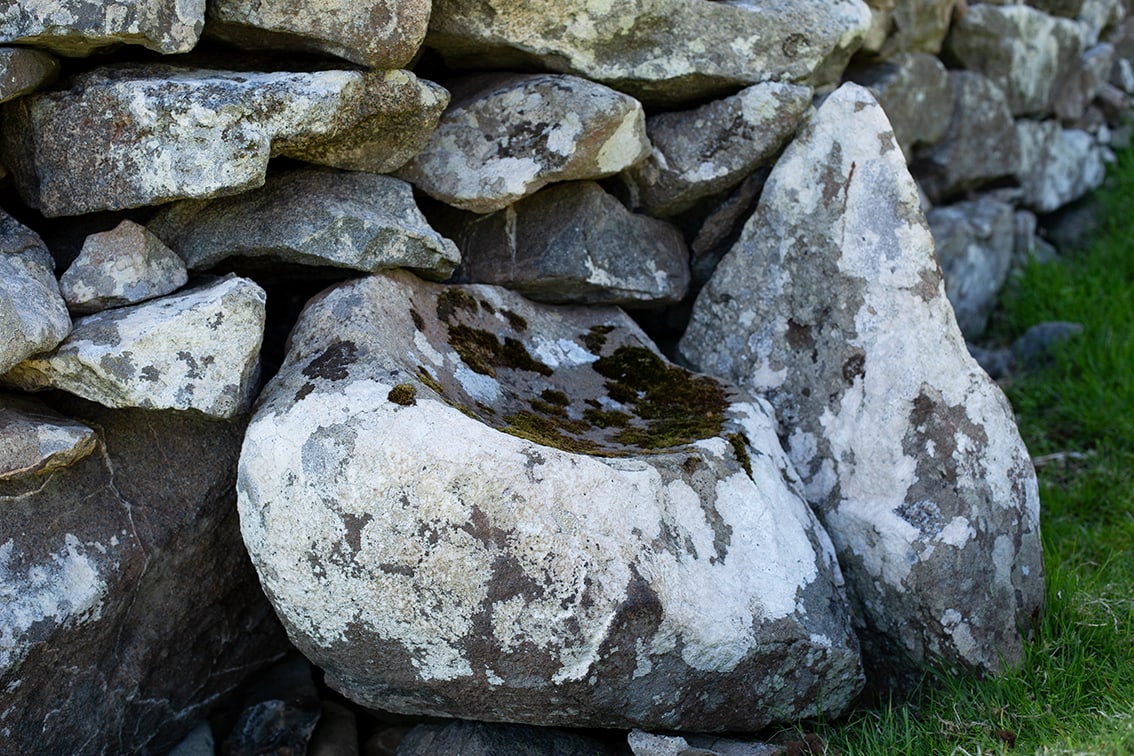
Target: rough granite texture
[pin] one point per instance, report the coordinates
(832, 305)
(199, 349)
(80, 27)
(453, 562)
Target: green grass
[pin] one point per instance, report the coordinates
(1075, 692)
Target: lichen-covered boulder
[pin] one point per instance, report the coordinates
(79, 27)
(311, 216)
(33, 315)
(979, 146)
(699, 152)
(572, 243)
(832, 306)
(465, 504)
(24, 70)
(975, 243)
(128, 609)
(1026, 52)
(506, 136)
(199, 349)
(151, 134)
(123, 266)
(1057, 165)
(373, 33)
(657, 50)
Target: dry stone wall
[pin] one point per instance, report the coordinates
(310, 339)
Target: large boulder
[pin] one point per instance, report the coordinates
(128, 609)
(79, 27)
(33, 315)
(506, 136)
(465, 504)
(657, 50)
(133, 135)
(1025, 51)
(311, 216)
(572, 243)
(832, 306)
(710, 149)
(373, 33)
(199, 349)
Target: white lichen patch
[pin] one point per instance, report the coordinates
(66, 590)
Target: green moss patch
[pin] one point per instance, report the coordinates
(404, 394)
(483, 351)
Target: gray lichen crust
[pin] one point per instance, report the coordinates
(465, 504)
(832, 305)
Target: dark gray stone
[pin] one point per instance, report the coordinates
(78, 27)
(488, 739)
(572, 243)
(24, 70)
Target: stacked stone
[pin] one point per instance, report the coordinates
(469, 484)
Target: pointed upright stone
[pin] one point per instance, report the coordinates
(33, 316)
(832, 305)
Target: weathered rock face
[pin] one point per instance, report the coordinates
(1026, 52)
(1057, 165)
(583, 558)
(34, 440)
(1083, 83)
(832, 305)
(199, 349)
(124, 591)
(504, 137)
(311, 216)
(123, 266)
(670, 51)
(482, 739)
(24, 70)
(33, 316)
(975, 244)
(129, 136)
(904, 26)
(712, 148)
(374, 33)
(917, 95)
(573, 243)
(980, 143)
(77, 27)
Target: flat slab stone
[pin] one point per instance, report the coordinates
(832, 305)
(77, 27)
(699, 152)
(24, 70)
(372, 33)
(123, 266)
(33, 316)
(311, 216)
(35, 440)
(517, 512)
(197, 350)
(506, 136)
(573, 243)
(158, 133)
(660, 51)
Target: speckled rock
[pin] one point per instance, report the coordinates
(657, 744)
(517, 512)
(1057, 165)
(979, 146)
(123, 266)
(373, 33)
(832, 305)
(572, 243)
(915, 91)
(504, 137)
(24, 70)
(79, 27)
(712, 148)
(154, 133)
(35, 440)
(127, 605)
(311, 216)
(490, 739)
(33, 316)
(904, 26)
(975, 242)
(657, 50)
(1026, 52)
(195, 350)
